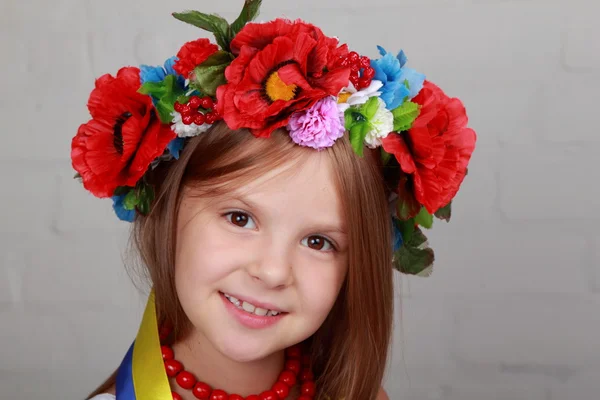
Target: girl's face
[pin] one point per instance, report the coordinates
(260, 269)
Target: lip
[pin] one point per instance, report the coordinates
(251, 321)
(256, 303)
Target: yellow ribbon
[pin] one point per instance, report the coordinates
(149, 377)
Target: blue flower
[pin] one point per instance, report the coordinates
(158, 74)
(388, 71)
(397, 239)
(122, 213)
(415, 79)
(399, 83)
(175, 146)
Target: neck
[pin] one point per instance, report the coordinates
(210, 366)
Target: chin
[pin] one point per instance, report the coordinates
(230, 333)
(242, 348)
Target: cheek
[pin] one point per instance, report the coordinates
(319, 286)
(199, 259)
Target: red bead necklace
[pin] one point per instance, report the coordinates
(297, 367)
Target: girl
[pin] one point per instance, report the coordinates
(274, 180)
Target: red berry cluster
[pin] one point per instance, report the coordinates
(362, 73)
(195, 111)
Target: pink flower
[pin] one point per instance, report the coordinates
(319, 126)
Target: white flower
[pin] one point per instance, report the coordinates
(358, 97)
(383, 124)
(183, 130)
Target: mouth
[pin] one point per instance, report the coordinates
(251, 308)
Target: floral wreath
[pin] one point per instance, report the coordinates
(264, 76)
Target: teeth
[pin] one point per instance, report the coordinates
(251, 308)
(248, 307)
(260, 311)
(233, 300)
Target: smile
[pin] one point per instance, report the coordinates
(253, 316)
(250, 308)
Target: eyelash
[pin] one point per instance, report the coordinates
(229, 216)
(333, 248)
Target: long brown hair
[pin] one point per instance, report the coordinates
(349, 351)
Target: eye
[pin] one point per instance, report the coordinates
(241, 219)
(318, 243)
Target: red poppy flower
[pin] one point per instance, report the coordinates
(193, 54)
(437, 149)
(281, 67)
(116, 147)
(259, 36)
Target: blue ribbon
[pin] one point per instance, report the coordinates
(124, 382)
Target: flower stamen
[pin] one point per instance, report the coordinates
(343, 97)
(118, 131)
(277, 89)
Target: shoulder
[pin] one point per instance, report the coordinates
(105, 396)
(382, 395)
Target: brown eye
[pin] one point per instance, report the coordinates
(317, 243)
(241, 219)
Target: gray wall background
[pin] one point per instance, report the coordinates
(512, 310)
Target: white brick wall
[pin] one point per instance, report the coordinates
(511, 312)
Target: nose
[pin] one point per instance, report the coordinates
(272, 266)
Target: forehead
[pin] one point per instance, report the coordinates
(302, 186)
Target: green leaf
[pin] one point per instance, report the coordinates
(445, 212)
(131, 200)
(209, 22)
(418, 239)
(348, 119)
(358, 132)
(183, 99)
(211, 73)
(407, 228)
(154, 89)
(405, 115)
(358, 126)
(385, 156)
(166, 102)
(407, 206)
(424, 219)
(249, 13)
(415, 257)
(166, 93)
(370, 107)
(352, 116)
(146, 197)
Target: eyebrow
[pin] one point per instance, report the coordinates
(241, 199)
(331, 229)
